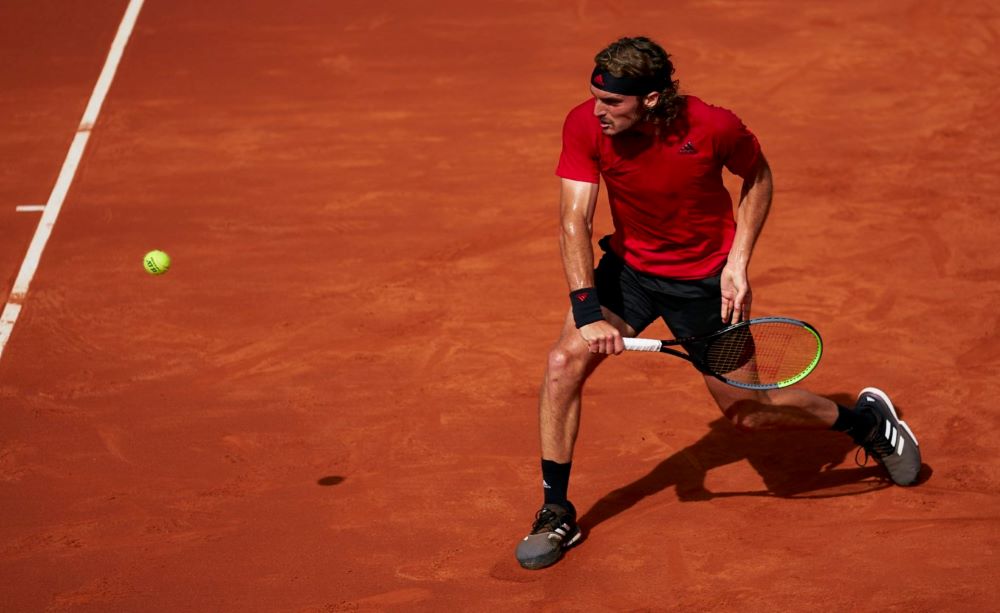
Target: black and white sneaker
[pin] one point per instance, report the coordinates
(553, 532)
(890, 442)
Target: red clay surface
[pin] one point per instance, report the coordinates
(329, 402)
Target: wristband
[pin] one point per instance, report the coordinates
(586, 306)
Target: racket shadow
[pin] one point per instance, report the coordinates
(792, 464)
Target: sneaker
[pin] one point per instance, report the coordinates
(553, 532)
(891, 442)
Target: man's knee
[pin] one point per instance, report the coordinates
(742, 414)
(748, 414)
(567, 362)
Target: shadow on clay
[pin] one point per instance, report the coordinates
(792, 464)
(331, 480)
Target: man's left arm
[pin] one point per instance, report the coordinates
(755, 202)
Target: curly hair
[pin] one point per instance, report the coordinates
(638, 56)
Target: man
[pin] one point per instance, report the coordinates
(677, 252)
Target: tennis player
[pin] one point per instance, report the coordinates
(679, 253)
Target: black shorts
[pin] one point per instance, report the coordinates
(689, 308)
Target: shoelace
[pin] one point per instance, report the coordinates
(876, 446)
(857, 453)
(546, 520)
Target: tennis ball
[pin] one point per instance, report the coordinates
(156, 262)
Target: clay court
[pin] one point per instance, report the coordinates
(329, 402)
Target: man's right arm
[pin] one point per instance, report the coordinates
(577, 202)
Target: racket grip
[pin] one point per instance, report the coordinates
(642, 344)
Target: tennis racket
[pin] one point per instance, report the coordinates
(758, 354)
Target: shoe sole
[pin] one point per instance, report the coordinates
(874, 391)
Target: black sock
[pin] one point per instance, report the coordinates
(856, 424)
(555, 481)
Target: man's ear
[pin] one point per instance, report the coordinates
(650, 99)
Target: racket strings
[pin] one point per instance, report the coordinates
(763, 353)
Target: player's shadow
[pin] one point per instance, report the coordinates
(792, 464)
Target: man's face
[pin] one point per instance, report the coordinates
(616, 112)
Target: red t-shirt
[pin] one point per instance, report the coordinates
(673, 216)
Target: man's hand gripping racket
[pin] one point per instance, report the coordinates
(759, 354)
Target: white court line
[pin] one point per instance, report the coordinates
(29, 208)
(51, 210)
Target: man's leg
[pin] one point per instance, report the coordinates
(872, 423)
(772, 409)
(752, 409)
(569, 364)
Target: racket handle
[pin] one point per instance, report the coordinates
(642, 344)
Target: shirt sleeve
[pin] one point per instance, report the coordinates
(579, 158)
(737, 147)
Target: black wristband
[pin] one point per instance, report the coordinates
(586, 306)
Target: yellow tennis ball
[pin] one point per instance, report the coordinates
(156, 262)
